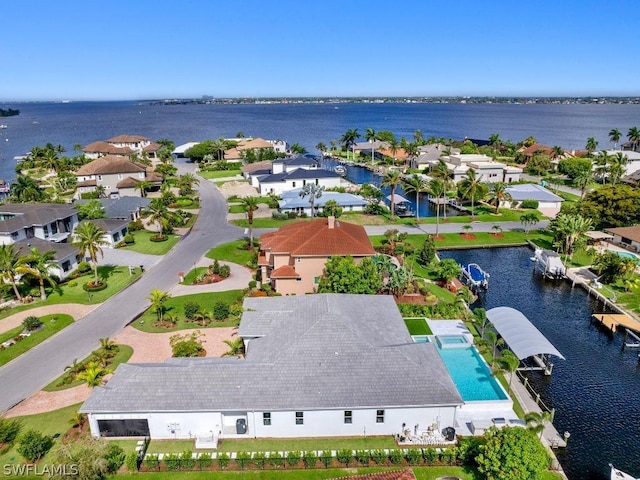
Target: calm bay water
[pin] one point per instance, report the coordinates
(595, 391)
(307, 124)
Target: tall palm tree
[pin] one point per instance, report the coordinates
(219, 146)
(321, 147)
(349, 139)
(583, 180)
(26, 189)
(158, 213)
(40, 265)
(617, 167)
(314, 192)
(158, 298)
(89, 240)
(615, 135)
(436, 188)
(494, 140)
(498, 194)
(470, 187)
(592, 145)
(602, 161)
(509, 362)
(12, 264)
(528, 220)
(633, 135)
(143, 186)
(250, 205)
(536, 421)
(412, 151)
(371, 136)
(415, 184)
(568, 229)
(186, 182)
(392, 180)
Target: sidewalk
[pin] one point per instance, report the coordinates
(239, 279)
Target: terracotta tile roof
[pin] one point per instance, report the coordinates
(285, 271)
(632, 233)
(316, 238)
(232, 154)
(400, 153)
(128, 182)
(254, 143)
(153, 177)
(87, 183)
(252, 167)
(110, 164)
(128, 139)
(262, 259)
(394, 475)
(104, 147)
(152, 147)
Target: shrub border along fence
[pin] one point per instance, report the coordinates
(294, 460)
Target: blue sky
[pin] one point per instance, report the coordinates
(144, 49)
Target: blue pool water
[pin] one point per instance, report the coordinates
(629, 255)
(471, 374)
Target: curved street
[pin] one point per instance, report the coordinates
(36, 368)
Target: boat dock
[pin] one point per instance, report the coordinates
(614, 320)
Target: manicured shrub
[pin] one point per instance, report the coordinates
(115, 457)
(223, 461)
(33, 445)
(363, 456)
(92, 287)
(190, 309)
(159, 237)
(128, 239)
(291, 215)
(414, 456)
(84, 267)
(220, 311)
(172, 461)
(135, 225)
(276, 460)
(326, 458)
(131, 461)
(344, 456)
(151, 461)
(378, 456)
(309, 459)
(243, 459)
(236, 310)
(279, 216)
(72, 283)
(259, 459)
(224, 271)
(293, 458)
(396, 456)
(253, 284)
(430, 455)
(531, 204)
(187, 462)
(31, 323)
(204, 461)
(9, 430)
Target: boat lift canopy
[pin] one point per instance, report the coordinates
(397, 198)
(523, 338)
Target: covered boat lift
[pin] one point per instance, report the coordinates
(523, 338)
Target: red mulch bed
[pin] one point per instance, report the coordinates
(468, 236)
(209, 278)
(438, 237)
(498, 235)
(412, 298)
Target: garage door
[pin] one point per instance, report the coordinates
(124, 428)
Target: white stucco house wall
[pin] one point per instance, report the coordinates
(291, 201)
(315, 365)
(277, 183)
(549, 203)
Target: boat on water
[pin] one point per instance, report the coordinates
(3, 126)
(475, 276)
(550, 263)
(620, 475)
(404, 210)
(340, 169)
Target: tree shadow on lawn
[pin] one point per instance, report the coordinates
(107, 271)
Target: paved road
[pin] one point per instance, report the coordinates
(36, 368)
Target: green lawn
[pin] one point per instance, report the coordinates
(236, 209)
(175, 306)
(48, 423)
(123, 355)
(229, 252)
(52, 325)
(580, 258)
(417, 326)
(211, 174)
(144, 244)
(443, 294)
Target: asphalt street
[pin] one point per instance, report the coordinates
(36, 368)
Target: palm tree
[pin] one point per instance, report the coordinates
(411, 150)
(219, 146)
(101, 190)
(592, 145)
(617, 167)
(509, 362)
(437, 189)
(314, 192)
(349, 139)
(12, 264)
(415, 184)
(186, 183)
(633, 135)
(602, 161)
(568, 229)
(75, 367)
(496, 229)
(236, 348)
(158, 298)
(583, 180)
(321, 147)
(494, 140)
(371, 136)
(250, 205)
(392, 180)
(528, 220)
(89, 240)
(78, 420)
(615, 135)
(143, 186)
(470, 186)
(158, 213)
(40, 265)
(494, 342)
(498, 194)
(101, 357)
(26, 189)
(92, 375)
(49, 160)
(107, 344)
(297, 148)
(536, 420)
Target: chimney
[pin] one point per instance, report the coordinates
(331, 221)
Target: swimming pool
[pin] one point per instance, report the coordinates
(452, 341)
(471, 374)
(628, 255)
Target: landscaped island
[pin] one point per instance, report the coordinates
(9, 112)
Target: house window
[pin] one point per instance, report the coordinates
(379, 416)
(316, 280)
(298, 259)
(119, 176)
(140, 174)
(293, 184)
(317, 181)
(348, 416)
(266, 418)
(66, 265)
(299, 418)
(46, 231)
(116, 236)
(100, 177)
(299, 279)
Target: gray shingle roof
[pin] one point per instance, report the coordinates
(323, 351)
(530, 191)
(121, 207)
(28, 215)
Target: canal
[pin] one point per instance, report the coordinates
(361, 175)
(596, 390)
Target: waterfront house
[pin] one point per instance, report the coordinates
(293, 258)
(118, 175)
(123, 146)
(66, 256)
(486, 169)
(114, 230)
(124, 208)
(548, 202)
(51, 222)
(428, 155)
(291, 201)
(627, 237)
(315, 366)
(276, 183)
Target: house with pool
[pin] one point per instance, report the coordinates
(315, 366)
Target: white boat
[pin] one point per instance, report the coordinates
(3, 126)
(620, 475)
(475, 276)
(340, 170)
(551, 263)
